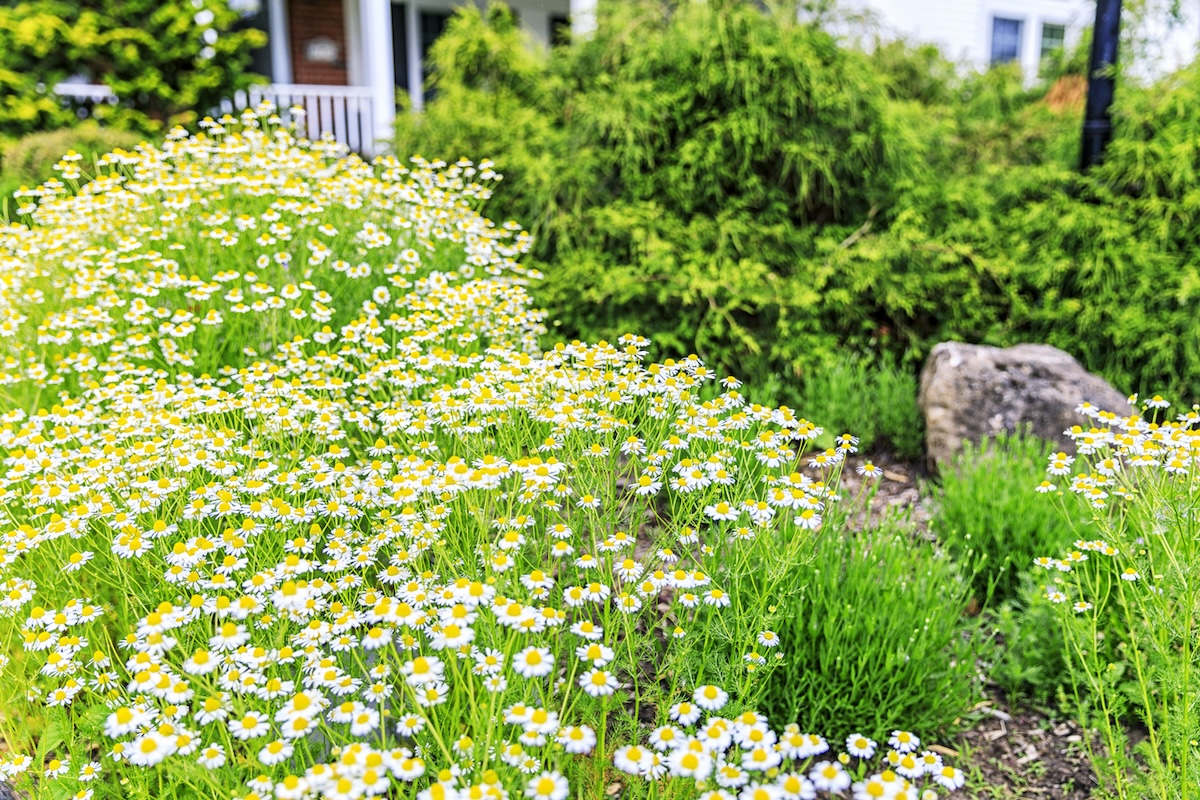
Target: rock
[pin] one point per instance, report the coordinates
(969, 392)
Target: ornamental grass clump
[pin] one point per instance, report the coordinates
(295, 507)
(1135, 580)
(881, 620)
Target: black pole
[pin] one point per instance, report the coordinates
(1097, 124)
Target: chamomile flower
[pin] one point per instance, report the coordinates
(950, 777)
(667, 737)
(869, 470)
(276, 752)
(576, 739)
(687, 763)
(250, 726)
(685, 713)
(904, 742)
(860, 746)
(533, 662)
(211, 756)
(710, 698)
(632, 759)
(599, 683)
(547, 786)
(829, 776)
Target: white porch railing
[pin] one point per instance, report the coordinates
(86, 92)
(344, 111)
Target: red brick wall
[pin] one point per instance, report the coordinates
(308, 19)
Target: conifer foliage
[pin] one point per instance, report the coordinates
(743, 186)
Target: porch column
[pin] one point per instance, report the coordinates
(375, 17)
(354, 54)
(416, 64)
(280, 42)
(583, 16)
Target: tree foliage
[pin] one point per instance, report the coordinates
(750, 188)
(168, 63)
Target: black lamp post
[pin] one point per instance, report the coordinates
(1097, 123)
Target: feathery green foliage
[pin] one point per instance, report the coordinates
(988, 513)
(743, 186)
(878, 401)
(881, 621)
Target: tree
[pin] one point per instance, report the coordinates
(168, 63)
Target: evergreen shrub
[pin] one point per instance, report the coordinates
(747, 187)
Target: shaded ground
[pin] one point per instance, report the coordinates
(1022, 753)
(897, 492)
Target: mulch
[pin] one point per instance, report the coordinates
(1024, 753)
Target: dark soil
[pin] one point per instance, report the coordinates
(1023, 753)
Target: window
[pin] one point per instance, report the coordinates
(432, 25)
(1054, 38)
(1006, 39)
(254, 15)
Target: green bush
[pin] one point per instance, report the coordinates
(30, 160)
(154, 56)
(877, 639)
(743, 186)
(989, 515)
(1030, 664)
(677, 168)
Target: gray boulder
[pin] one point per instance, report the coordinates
(969, 392)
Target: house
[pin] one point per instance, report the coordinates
(344, 60)
(980, 33)
(985, 32)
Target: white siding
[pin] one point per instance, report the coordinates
(1168, 45)
(963, 29)
(953, 25)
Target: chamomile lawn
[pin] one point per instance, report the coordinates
(295, 506)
